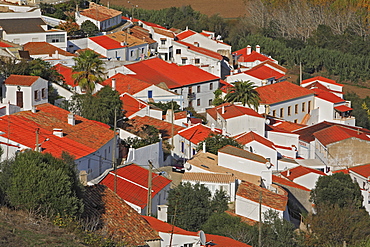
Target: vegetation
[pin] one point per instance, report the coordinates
(244, 92)
(89, 28)
(215, 142)
(166, 106)
(191, 205)
(360, 109)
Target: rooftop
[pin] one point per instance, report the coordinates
(322, 79)
(67, 73)
(21, 80)
(285, 182)
(254, 56)
(122, 36)
(107, 42)
(262, 72)
(41, 48)
(198, 133)
(363, 170)
(131, 105)
(231, 150)
(208, 177)
(246, 138)
(99, 12)
(338, 133)
(228, 110)
(201, 50)
(328, 96)
(25, 25)
(164, 32)
(300, 171)
(185, 34)
(126, 84)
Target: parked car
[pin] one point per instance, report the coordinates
(178, 168)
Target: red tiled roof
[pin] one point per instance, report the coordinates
(142, 34)
(3, 44)
(197, 133)
(126, 84)
(156, 71)
(232, 111)
(343, 108)
(285, 182)
(21, 80)
(270, 199)
(132, 184)
(284, 126)
(164, 32)
(67, 73)
(363, 170)
(40, 48)
(181, 115)
(345, 171)
(322, 87)
(201, 50)
(106, 42)
(99, 13)
(281, 91)
(131, 105)
(150, 24)
(185, 34)
(338, 133)
(263, 72)
(222, 241)
(165, 227)
(300, 171)
(254, 56)
(320, 78)
(118, 220)
(252, 136)
(129, 19)
(325, 95)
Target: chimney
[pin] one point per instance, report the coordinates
(56, 54)
(162, 212)
(71, 119)
(249, 50)
(223, 110)
(58, 132)
(7, 110)
(33, 109)
(223, 131)
(170, 116)
(258, 48)
(204, 147)
(83, 177)
(212, 127)
(288, 173)
(113, 84)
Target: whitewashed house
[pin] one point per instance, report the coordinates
(361, 175)
(133, 107)
(164, 38)
(304, 176)
(247, 58)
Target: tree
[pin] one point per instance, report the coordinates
(42, 183)
(218, 100)
(244, 92)
(190, 205)
(89, 70)
(89, 28)
(70, 26)
(215, 142)
(337, 189)
(166, 106)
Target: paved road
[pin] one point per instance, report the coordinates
(174, 176)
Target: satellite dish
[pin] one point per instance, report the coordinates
(268, 121)
(268, 165)
(202, 238)
(187, 166)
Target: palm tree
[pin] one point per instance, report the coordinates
(88, 70)
(244, 92)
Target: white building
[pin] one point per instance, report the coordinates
(304, 176)
(247, 58)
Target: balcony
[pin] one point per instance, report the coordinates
(191, 96)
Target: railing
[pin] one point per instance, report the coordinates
(191, 96)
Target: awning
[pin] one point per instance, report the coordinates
(343, 108)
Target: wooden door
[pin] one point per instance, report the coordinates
(20, 99)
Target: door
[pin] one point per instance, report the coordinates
(20, 99)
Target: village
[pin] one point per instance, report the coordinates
(279, 138)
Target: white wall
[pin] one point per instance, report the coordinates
(159, 95)
(245, 123)
(178, 239)
(207, 43)
(308, 180)
(189, 147)
(20, 12)
(260, 149)
(283, 139)
(140, 156)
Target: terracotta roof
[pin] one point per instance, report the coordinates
(306, 133)
(132, 184)
(185, 34)
(126, 84)
(231, 111)
(198, 133)
(221, 241)
(252, 136)
(3, 44)
(142, 33)
(338, 133)
(106, 42)
(21, 80)
(40, 48)
(328, 96)
(99, 13)
(270, 199)
(118, 220)
(165, 227)
(131, 105)
(283, 126)
(285, 182)
(320, 78)
(181, 115)
(150, 24)
(225, 86)
(363, 170)
(209, 163)
(281, 91)
(254, 56)
(263, 72)
(156, 71)
(300, 171)
(231, 150)
(345, 171)
(67, 73)
(208, 177)
(200, 50)
(164, 127)
(164, 32)
(343, 108)
(122, 36)
(322, 87)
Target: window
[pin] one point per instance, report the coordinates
(175, 90)
(43, 93)
(183, 60)
(211, 86)
(210, 102)
(197, 61)
(198, 89)
(182, 147)
(309, 107)
(295, 120)
(163, 41)
(289, 110)
(274, 113)
(36, 95)
(194, 152)
(303, 106)
(55, 38)
(296, 109)
(150, 94)
(198, 102)
(281, 112)
(142, 50)
(178, 51)
(131, 53)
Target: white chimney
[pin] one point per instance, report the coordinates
(204, 147)
(56, 54)
(266, 177)
(114, 83)
(249, 50)
(7, 110)
(223, 131)
(58, 132)
(33, 109)
(223, 109)
(83, 177)
(170, 116)
(288, 173)
(71, 119)
(258, 48)
(162, 212)
(212, 127)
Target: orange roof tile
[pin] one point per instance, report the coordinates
(300, 171)
(281, 91)
(208, 177)
(328, 96)
(185, 34)
(270, 199)
(165, 227)
(40, 48)
(345, 171)
(122, 36)
(150, 24)
(254, 56)
(21, 80)
(198, 133)
(338, 133)
(181, 115)
(343, 108)
(131, 105)
(106, 42)
(201, 50)
(164, 32)
(320, 78)
(231, 111)
(141, 33)
(263, 72)
(126, 84)
(285, 182)
(363, 170)
(99, 13)
(322, 87)
(67, 73)
(222, 241)
(246, 138)
(3, 44)
(132, 184)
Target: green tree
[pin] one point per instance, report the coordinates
(166, 106)
(42, 183)
(215, 142)
(337, 189)
(190, 205)
(89, 70)
(218, 100)
(89, 28)
(244, 92)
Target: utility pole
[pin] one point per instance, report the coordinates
(149, 205)
(114, 165)
(260, 222)
(300, 73)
